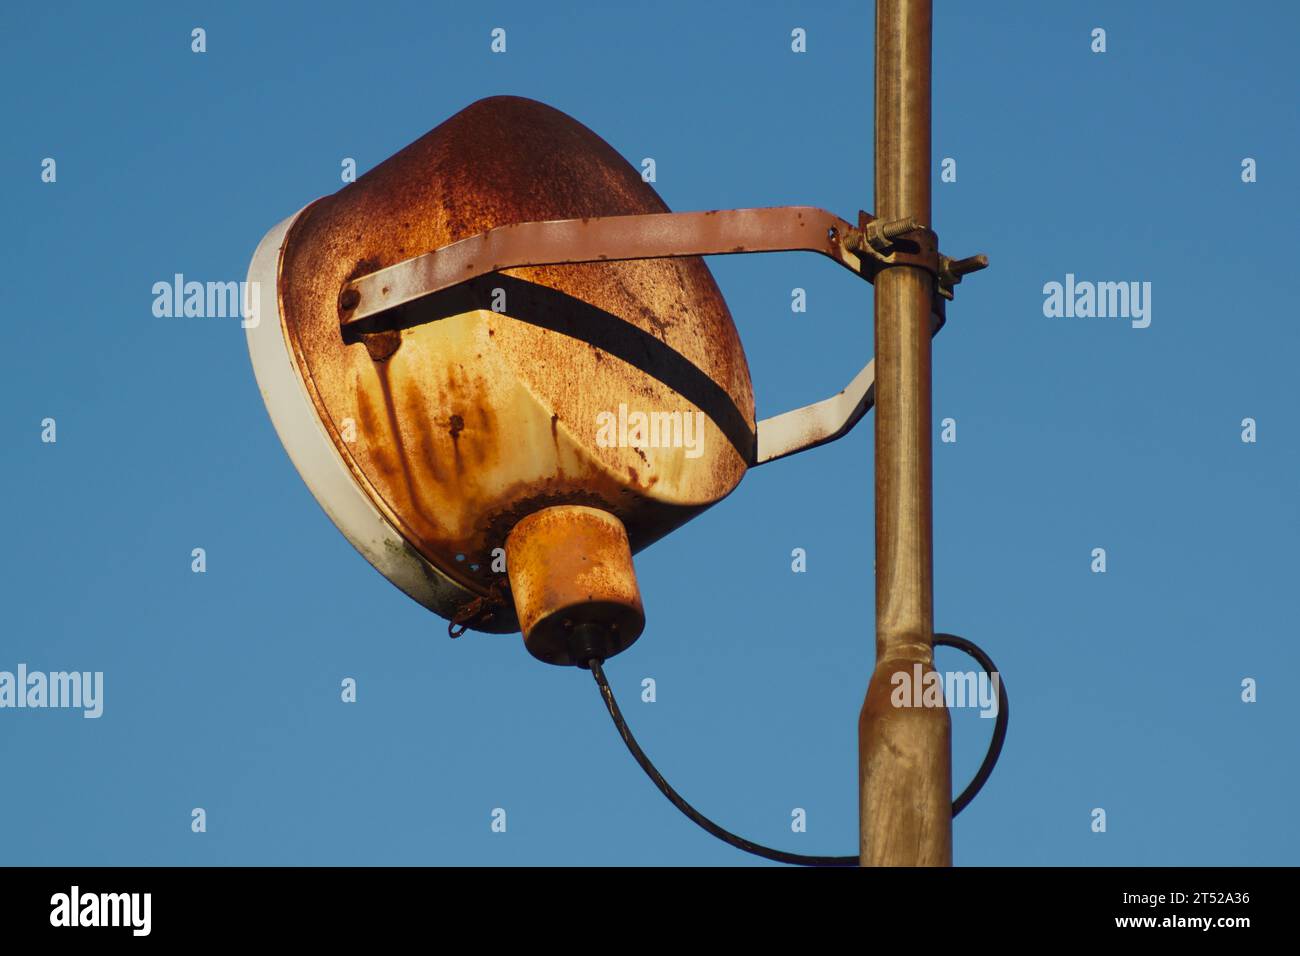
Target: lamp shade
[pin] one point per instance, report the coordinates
(585, 391)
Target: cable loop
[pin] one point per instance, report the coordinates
(781, 856)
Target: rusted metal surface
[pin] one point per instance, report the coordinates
(570, 572)
(465, 420)
(904, 752)
(864, 249)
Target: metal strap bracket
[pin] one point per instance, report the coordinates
(865, 249)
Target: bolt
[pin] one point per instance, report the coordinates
(892, 230)
(880, 235)
(961, 267)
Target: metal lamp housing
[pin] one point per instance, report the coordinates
(429, 440)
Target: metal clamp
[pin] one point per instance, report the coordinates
(906, 242)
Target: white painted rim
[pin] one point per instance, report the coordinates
(312, 450)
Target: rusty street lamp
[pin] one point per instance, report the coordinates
(437, 342)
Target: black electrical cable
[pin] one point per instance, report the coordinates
(781, 856)
(999, 723)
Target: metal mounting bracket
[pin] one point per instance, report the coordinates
(865, 249)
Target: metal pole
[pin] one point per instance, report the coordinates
(905, 754)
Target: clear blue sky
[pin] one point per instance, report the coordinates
(222, 689)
